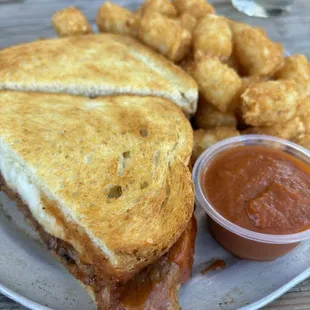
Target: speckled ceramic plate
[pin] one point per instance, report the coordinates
(31, 276)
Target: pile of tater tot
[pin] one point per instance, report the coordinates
(246, 84)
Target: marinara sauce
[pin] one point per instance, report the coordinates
(261, 189)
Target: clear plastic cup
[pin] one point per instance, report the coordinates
(240, 241)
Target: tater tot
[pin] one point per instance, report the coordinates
(304, 113)
(70, 22)
(304, 108)
(303, 140)
(207, 116)
(196, 8)
(306, 122)
(116, 19)
(165, 36)
(188, 22)
(257, 54)
(287, 130)
(212, 37)
(203, 139)
(218, 83)
(296, 68)
(246, 83)
(269, 103)
(163, 7)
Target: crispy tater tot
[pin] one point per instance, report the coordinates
(196, 8)
(188, 22)
(306, 122)
(212, 37)
(269, 103)
(203, 139)
(287, 130)
(218, 83)
(304, 108)
(165, 35)
(303, 140)
(246, 83)
(207, 116)
(116, 19)
(296, 68)
(70, 22)
(257, 54)
(163, 7)
(304, 113)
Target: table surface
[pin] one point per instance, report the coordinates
(21, 22)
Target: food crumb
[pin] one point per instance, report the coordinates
(214, 265)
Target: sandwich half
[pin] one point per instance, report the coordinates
(106, 183)
(95, 65)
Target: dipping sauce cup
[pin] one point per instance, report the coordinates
(242, 242)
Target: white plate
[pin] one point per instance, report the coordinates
(30, 275)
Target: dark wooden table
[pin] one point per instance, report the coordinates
(22, 21)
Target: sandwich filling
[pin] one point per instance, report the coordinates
(154, 287)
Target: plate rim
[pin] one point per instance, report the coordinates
(24, 301)
(279, 292)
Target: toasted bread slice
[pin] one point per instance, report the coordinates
(95, 65)
(107, 175)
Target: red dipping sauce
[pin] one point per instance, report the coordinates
(260, 189)
(256, 192)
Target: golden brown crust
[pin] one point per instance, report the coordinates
(197, 8)
(119, 170)
(175, 45)
(269, 103)
(296, 68)
(95, 65)
(164, 7)
(218, 83)
(212, 37)
(116, 19)
(256, 53)
(288, 130)
(70, 22)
